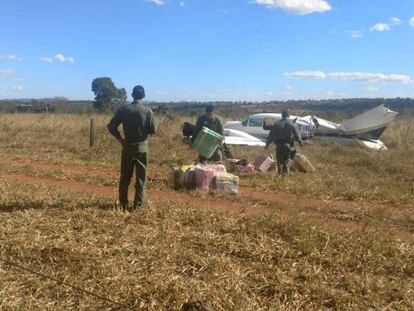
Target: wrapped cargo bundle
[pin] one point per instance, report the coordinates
(226, 182)
(231, 164)
(189, 178)
(207, 142)
(216, 167)
(263, 163)
(204, 178)
(300, 163)
(244, 169)
(179, 173)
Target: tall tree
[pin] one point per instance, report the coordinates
(107, 96)
(121, 96)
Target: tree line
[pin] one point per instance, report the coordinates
(109, 98)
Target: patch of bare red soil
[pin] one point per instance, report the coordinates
(248, 202)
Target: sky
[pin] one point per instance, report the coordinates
(208, 50)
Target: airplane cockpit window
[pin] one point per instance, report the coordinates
(256, 122)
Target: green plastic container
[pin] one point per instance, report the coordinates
(207, 142)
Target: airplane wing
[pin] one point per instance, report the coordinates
(235, 137)
(375, 144)
(373, 121)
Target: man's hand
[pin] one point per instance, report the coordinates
(266, 147)
(122, 141)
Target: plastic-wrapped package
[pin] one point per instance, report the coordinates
(226, 182)
(216, 167)
(179, 175)
(231, 164)
(244, 169)
(204, 178)
(301, 163)
(263, 163)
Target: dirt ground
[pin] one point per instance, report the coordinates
(337, 214)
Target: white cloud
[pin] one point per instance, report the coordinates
(157, 2)
(18, 88)
(356, 33)
(11, 58)
(58, 57)
(370, 77)
(46, 59)
(381, 27)
(7, 74)
(63, 59)
(306, 74)
(395, 21)
(297, 7)
(352, 76)
(182, 3)
(412, 21)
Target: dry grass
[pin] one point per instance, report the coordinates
(346, 172)
(158, 258)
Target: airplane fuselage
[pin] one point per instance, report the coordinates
(366, 127)
(254, 125)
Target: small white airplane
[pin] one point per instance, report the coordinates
(365, 128)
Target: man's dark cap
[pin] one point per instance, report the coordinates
(138, 92)
(210, 108)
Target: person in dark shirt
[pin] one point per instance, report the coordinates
(283, 133)
(214, 123)
(138, 122)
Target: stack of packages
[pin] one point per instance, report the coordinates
(205, 178)
(262, 164)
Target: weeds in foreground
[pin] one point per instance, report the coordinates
(159, 257)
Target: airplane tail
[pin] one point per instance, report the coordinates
(369, 125)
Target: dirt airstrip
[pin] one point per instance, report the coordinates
(337, 214)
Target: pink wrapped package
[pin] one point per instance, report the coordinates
(204, 178)
(220, 168)
(263, 163)
(249, 168)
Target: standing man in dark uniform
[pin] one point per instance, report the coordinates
(138, 122)
(284, 133)
(214, 123)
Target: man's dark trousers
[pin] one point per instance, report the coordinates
(133, 158)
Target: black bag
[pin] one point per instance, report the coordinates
(242, 162)
(188, 129)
